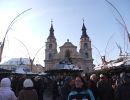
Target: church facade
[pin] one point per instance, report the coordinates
(82, 58)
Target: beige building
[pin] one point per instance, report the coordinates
(83, 59)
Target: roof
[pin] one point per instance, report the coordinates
(68, 44)
(16, 61)
(66, 66)
(122, 60)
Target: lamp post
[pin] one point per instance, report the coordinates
(8, 29)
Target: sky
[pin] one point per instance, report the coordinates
(32, 27)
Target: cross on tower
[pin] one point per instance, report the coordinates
(83, 19)
(51, 21)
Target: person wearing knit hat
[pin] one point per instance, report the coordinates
(28, 92)
(101, 75)
(27, 83)
(122, 92)
(92, 85)
(105, 90)
(93, 77)
(5, 90)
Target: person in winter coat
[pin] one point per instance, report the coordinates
(39, 86)
(80, 91)
(105, 90)
(92, 84)
(122, 92)
(68, 85)
(28, 92)
(5, 90)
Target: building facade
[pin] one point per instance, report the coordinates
(83, 59)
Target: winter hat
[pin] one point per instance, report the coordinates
(101, 75)
(27, 83)
(5, 82)
(93, 77)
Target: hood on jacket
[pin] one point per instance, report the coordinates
(27, 83)
(5, 82)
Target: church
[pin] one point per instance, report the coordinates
(82, 58)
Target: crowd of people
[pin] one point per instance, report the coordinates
(77, 87)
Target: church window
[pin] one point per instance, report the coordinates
(85, 45)
(86, 55)
(50, 46)
(50, 56)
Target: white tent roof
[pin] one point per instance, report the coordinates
(20, 71)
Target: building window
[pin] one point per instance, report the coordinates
(50, 46)
(86, 55)
(85, 45)
(50, 56)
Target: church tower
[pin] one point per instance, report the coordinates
(68, 52)
(85, 49)
(51, 48)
